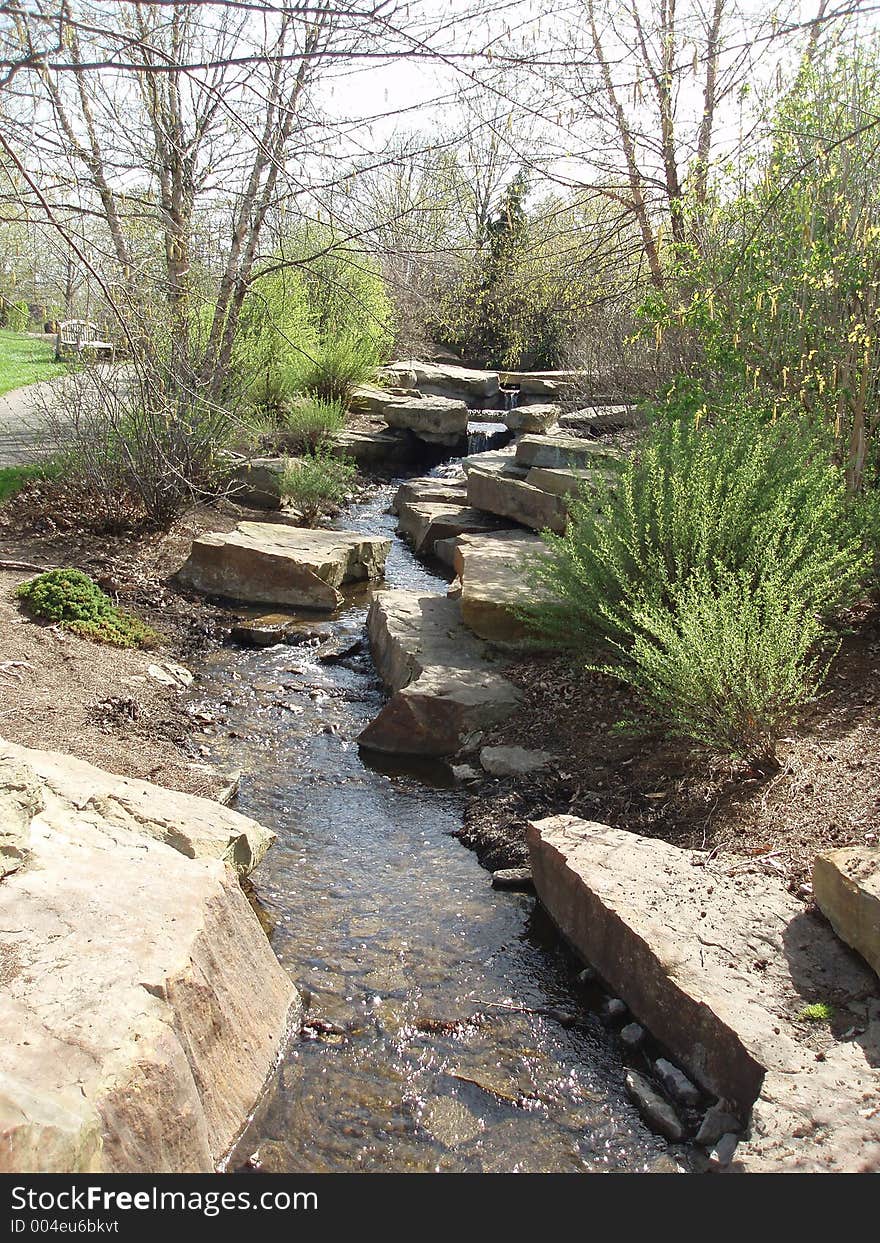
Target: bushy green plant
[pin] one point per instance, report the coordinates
(18, 316)
(670, 568)
(74, 600)
(317, 483)
(310, 422)
(336, 367)
(726, 663)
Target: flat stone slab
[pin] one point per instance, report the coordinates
(424, 524)
(495, 460)
(565, 452)
(718, 961)
(429, 489)
(443, 379)
(142, 1007)
(436, 420)
(535, 418)
(846, 886)
(494, 584)
(596, 420)
(372, 450)
(268, 563)
(559, 481)
(541, 383)
(497, 492)
(513, 761)
(444, 683)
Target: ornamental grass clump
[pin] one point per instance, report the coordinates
(317, 484)
(76, 602)
(705, 574)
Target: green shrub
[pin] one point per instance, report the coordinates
(336, 367)
(310, 422)
(708, 561)
(74, 600)
(727, 664)
(18, 316)
(317, 484)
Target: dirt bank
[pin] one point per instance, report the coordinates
(824, 792)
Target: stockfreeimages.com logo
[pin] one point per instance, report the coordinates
(98, 1199)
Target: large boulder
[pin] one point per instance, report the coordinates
(537, 384)
(142, 1007)
(503, 493)
(444, 684)
(267, 563)
(846, 886)
(436, 420)
(718, 962)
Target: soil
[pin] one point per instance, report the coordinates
(823, 791)
(60, 692)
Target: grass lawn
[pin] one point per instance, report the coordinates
(25, 360)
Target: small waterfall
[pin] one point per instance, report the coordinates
(509, 398)
(483, 436)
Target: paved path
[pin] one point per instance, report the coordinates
(24, 436)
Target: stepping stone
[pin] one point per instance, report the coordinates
(494, 585)
(436, 420)
(717, 962)
(424, 524)
(537, 418)
(566, 452)
(430, 489)
(498, 492)
(444, 683)
(267, 563)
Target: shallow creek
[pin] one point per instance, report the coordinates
(420, 1050)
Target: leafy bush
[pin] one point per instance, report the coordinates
(18, 316)
(310, 422)
(336, 367)
(317, 484)
(669, 571)
(727, 663)
(78, 603)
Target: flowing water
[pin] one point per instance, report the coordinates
(421, 1048)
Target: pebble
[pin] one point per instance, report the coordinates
(587, 976)
(676, 1083)
(614, 1010)
(658, 1113)
(716, 1122)
(632, 1036)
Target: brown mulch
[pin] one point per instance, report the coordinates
(823, 792)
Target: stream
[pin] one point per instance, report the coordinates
(420, 1050)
